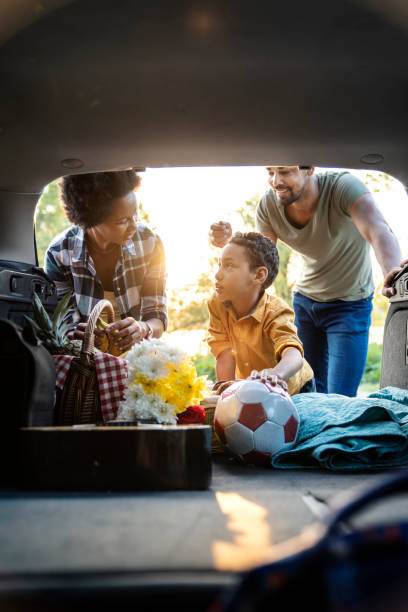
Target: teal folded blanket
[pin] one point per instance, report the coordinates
(349, 433)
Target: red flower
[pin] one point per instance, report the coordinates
(193, 414)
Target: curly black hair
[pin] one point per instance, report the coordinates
(261, 252)
(88, 198)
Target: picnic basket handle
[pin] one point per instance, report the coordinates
(88, 341)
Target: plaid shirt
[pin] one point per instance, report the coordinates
(139, 281)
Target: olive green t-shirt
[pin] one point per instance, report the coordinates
(336, 258)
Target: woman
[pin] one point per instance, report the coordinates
(108, 254)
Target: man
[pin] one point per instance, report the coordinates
(331, 219)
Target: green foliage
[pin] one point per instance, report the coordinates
(247, 213)
(50, 219)
(373, 364)
(143, 215)
(53, 331)
(282, 287)
(377, 180)
(205, 282)
(205, 364)
(380, 308)
(187, 313)
(192, 315)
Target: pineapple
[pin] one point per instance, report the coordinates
(52, 331)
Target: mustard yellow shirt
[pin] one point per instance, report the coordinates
(258, 339)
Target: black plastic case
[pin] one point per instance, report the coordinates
(18, 283)
(394, 365)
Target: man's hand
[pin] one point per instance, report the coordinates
(387, 289)
(220, 233)
(267, 376)
(127, 332)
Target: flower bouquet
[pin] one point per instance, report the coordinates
(162, 384)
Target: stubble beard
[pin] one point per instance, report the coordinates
(289, 196)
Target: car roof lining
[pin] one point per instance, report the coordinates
(94, 85)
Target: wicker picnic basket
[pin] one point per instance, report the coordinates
(209, 406)
(79, 402)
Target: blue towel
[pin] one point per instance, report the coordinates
(349, 433)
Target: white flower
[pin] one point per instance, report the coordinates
(139, 405)
(151, 359)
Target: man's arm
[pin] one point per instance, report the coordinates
(374, 228)
(271, 235)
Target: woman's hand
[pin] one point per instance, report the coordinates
(268, 376)
(78, 333)
(127, 332)
(99, 337)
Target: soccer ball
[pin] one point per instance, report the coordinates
(255, 420)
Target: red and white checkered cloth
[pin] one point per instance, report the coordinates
(112, 373)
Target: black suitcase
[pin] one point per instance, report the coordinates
(27, 371)
(27, 380)
(394, 365)
(18, 282)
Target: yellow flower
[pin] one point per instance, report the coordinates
(180, 388)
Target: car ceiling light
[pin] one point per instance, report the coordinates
(372, 159)
(72, 163)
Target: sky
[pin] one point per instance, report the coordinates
(183, 202)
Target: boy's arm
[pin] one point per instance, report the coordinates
(220, 346)
(225, 371)
(225, 365)
(290, 363)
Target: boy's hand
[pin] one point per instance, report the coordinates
(266, 376)
(221, 385)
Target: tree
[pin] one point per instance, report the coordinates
(50, 219)
(187, 313)
(143, 215)
(282, 287)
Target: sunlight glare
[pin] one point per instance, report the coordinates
(251, 534)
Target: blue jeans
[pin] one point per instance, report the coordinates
(335, 341)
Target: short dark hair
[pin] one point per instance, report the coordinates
(88, 198)
(261, 252)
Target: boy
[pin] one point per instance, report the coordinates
(251, 333)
